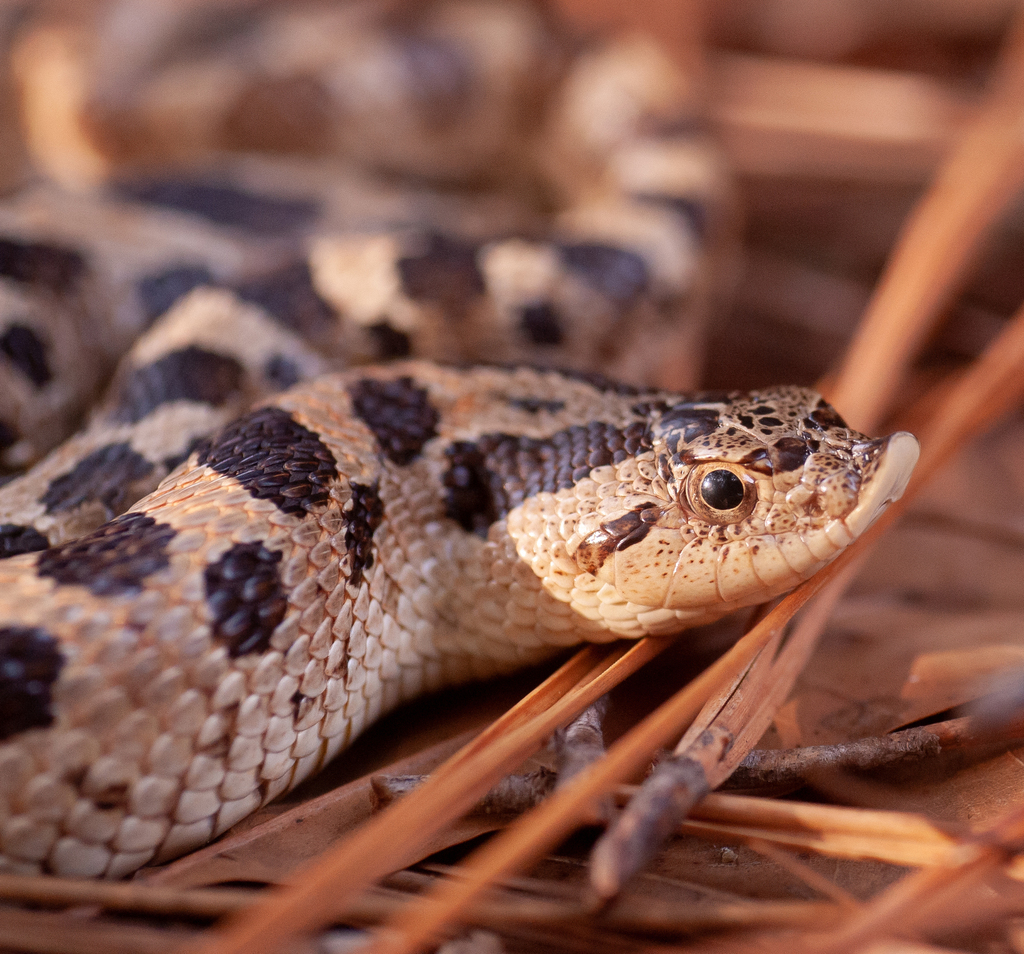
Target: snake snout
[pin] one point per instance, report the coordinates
(889, 462)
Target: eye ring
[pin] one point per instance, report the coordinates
(720, 493)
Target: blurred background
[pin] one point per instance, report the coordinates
(821, 122)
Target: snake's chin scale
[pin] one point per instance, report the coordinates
(896, 459)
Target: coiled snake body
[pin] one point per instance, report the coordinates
(200, 604)
(369, 535)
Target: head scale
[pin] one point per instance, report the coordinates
(740, 497)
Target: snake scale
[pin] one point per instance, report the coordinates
(215, 586)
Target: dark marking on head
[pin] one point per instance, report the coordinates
(693, 421)
(289, 296)
(488, 477)
(106, 476)
(691, 210)
(275, 458)
(27, 352)
(282, 371)
(388, 342)
(745, 420)
(536, 405)
(223, 204)
(113, 559)
(445, 273)
(30, 662)
(769, 422)
(762, 409)
(36, 263)
(189, 374)
(364, 517)
(789, 453)
(540, 324)
(159, 292)
(15, 539)
(615, 535)
(825, 416)
(245, 597)
(619, 274)
(398, 412)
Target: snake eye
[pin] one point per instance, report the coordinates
(720, 494)
(722, 490)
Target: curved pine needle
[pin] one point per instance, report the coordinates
(391, 839)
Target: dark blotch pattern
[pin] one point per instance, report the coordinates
(282, 371)
(289, 297)
(30, 662)
(275, 458)
(112, 560)
(245, 597)
(398, 412)
(615, 272)
(825, 416)
(540, 324)
(188, 374)
(105, 476)
(225, 205)
(693, 421)
(536, 405)
(364, 517)
(487, 478)
(389, 342)
(35, 263)
(444, 273)
(789, 453)
(690, 210)
(618, 534)
(8, 436)
(157, 293)
(27, 352)
(15, 539)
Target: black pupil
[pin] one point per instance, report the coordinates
(722, 490)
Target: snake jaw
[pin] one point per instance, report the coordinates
(888, 464)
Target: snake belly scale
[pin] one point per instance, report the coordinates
(370, 535)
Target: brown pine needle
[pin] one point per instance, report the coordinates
(938, 243)
(530, 837)
(388, 841)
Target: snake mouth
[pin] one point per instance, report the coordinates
(893, 459)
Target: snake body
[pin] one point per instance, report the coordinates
(243, 558)
(367, 536)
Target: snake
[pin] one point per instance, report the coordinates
(266, 536)
(371, 535)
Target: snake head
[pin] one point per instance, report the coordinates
(740, 498)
